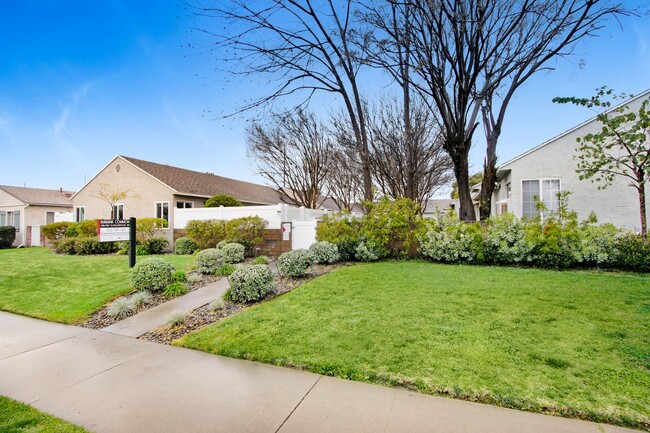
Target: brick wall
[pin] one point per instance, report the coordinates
(271, 245)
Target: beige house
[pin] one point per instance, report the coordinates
(28, 209)
(549, 168)
(153, 190)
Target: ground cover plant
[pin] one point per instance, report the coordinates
(571, 343)
(38, 283)
(18, 417)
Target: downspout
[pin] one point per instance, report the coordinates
(23, 226)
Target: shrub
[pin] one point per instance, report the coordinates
(222, 200)
(185, 246)
(261, 260)
(121, 307)
(215, 305)
(156, 245)
(139, 298)
(175, 289)
(341, 229)
(208, 261)
(206, 234)
(141, 250)
(87, 228)
(506, 241)
(634, 253)
(83, 246)
(450, 240)
(222, 244)
(179, 277)
(393, 225)
(324, 252)
(146, 228)
(122, 248)
(7, 236)
(233, 253)
(247, 231)
(174, 319)
(294, 263)
(55, 231)
(152, 274)
(225, 270)
(597, 245)
(251, 283)
(194, 278)
(367, 251)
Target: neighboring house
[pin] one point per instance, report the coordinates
(28, 209)
(550, 168)
(441, 206)
(155, 189)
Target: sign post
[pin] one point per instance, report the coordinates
(119, 230)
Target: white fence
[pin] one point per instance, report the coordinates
(303, 234)
(274, 214)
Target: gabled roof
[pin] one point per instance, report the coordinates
(642, 95)
(189, 182)
(39, 196)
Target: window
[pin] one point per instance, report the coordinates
(118, 212)
(162, 210)
(79, 214)
(49, 217)
(508, 190)
(17, 220)
(3, 218)
(545, 190)
(184, 204)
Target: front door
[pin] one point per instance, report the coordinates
(36, 236)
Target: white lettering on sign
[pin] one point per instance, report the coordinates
(113, 230)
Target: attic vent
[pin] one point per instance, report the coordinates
(118, 168)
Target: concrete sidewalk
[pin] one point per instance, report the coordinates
(112, 383)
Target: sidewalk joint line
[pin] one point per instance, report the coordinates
(48, 344)
(299, 403)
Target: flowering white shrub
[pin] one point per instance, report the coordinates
(294, 263)
(325, 252)
(251, 283)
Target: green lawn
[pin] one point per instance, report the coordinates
(17, 417)
(38, 283)
(568, 343)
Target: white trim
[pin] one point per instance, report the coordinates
(539, 196)
(575, 128)
(169, 212)
(129, 162)
(113, 216)
(185, 202)
(53, 215)
(74, 215)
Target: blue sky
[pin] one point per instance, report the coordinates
(83, 81)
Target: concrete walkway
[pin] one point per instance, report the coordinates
(112, 383)
(152, 318)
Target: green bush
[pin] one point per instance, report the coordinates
(367, 251)
(156, 245)
(450, 240)
(146, 228)
(222, 243)
(506, 241)
(179, 277)
(141, 250)
(233, 253)
(294, 263)
(261, 260)
(87, 228)
(343, 230)
(247, 231)
(633, 253)
(7, 236)
(393, 225)
(152, 274)
(597, 245)
(208, 261)
(225, 270)
(325, 252)
(175, 289)
(83, 246)
(222, 200)
(206, 234)
(55, 231)
(251, 283)
(185, 246)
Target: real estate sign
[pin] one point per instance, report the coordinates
(113, 230)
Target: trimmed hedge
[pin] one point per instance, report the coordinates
(7, 236)
(152, 274)
(251, 283)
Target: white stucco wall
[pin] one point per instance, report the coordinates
(617, 204)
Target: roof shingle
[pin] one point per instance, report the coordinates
(39, 196)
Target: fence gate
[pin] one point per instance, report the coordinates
(303, 234)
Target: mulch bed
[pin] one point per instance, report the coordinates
(202, 316)
(101, 319)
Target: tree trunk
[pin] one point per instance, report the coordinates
(487, 185)
(641, 189)
(461, 170)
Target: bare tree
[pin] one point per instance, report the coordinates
(304, 46)
(112, 195)
(412, 164)
(344, 182)
(293, 153)
(524, 37)
(456, 47)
